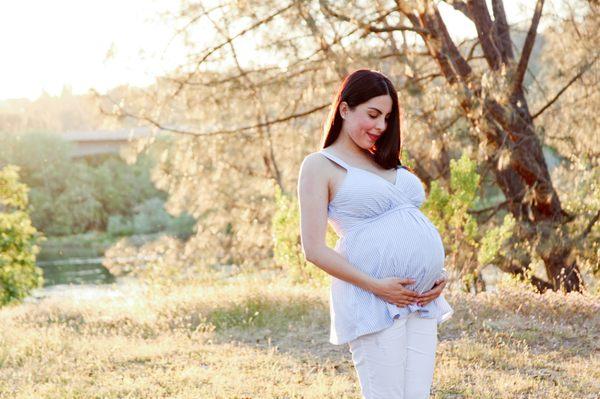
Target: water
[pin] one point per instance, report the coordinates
(124, 290)
(75, 271)
(81, 280)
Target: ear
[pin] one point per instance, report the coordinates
(343, 109)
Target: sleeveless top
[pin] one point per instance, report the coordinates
(382, 232)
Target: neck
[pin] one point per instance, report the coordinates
(345, 145)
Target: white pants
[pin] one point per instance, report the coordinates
(397, 362)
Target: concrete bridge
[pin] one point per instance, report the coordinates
(96, 142)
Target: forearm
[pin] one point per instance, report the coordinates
(336, 265)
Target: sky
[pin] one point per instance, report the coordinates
(47, 45)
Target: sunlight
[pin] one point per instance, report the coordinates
(48, 45)
(83, 45)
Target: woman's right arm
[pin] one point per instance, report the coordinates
(313, 196)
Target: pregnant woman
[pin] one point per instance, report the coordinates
(387, 268)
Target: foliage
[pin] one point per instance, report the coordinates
(67, 112)
(571, 123)
(448, 209)
(249, 123)
(75, 196)
(18, 272)
(160, 261)
(151, 217)
(226, 193)
(287, 246)
(494, 240)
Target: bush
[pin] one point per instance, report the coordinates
(287, 247)
(119, 226)
(448, 210)
(151, 217)
(73, 196)
(18, 272)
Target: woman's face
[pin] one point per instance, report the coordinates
(367, 121)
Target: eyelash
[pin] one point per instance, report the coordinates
(373, 117)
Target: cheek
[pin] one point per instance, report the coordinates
(365, 123)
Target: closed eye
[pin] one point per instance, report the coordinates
(387, 118)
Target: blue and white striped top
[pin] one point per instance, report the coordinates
(383, 233)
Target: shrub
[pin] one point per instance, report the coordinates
(287, 247)
(151, 217)
(448, 211)
(18, 272)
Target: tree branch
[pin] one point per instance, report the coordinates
(565, 87)
(494, 208)
(502, 30)
(213, 49)
(588, 228)
(338, 64)
(123, 112)
(368, 27)
(486, 32)
(433, 21)
(528, 47)
(460, 5)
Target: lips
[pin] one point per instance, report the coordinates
(372, 137)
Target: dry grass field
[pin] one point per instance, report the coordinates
(256, 336)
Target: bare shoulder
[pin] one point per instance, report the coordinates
(313, 180)
(315, 167)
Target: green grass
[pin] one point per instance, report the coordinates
(260, 337)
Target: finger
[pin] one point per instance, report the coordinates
(410, 295)
(435, 291)
(402, 287)
(406, 301)
(426, 295)
(430, 297)
(425, 301)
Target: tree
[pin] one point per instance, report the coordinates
(18, 272)
(461, 96)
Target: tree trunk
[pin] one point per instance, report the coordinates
(523, 177)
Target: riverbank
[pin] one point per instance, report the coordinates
(255, 336)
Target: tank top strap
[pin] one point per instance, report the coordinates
(336, 159)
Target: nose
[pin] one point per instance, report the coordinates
(381, 124)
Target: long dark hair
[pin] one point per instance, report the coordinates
(356, 88)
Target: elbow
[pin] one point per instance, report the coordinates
(310, 254)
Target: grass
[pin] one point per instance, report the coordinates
(256, 336)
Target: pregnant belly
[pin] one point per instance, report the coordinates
(405, 246)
